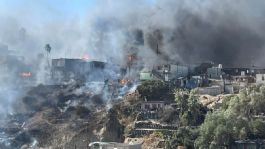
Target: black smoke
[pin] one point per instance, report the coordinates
(180, 31)
(224, 38)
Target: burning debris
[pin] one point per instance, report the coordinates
(26, 74)
(85, 57)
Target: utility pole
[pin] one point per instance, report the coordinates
(223, 78)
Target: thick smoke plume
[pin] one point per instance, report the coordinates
(185, 31)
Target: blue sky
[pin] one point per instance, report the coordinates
(49, 8)
(46, 8)
(36, 12)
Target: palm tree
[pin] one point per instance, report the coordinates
(48, 50)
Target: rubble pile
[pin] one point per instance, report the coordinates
(213, 101)
(60, 116)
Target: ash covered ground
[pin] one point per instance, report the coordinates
(61, 116)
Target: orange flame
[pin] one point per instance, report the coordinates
(26, 74)
(124, 81)
(130, 58)
(85, 57)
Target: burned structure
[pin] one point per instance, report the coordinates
(14, 69)
(78, 69)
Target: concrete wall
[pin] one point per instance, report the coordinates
(214, 72)
(260, 78)
(213, 91)
(179, 71)
(146, 76)
(229, 89)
